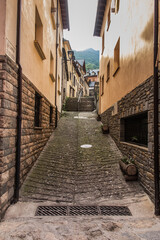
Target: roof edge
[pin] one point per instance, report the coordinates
(99, 17)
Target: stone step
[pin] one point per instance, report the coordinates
(85, 104)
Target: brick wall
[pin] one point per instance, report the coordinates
(137, 101)
(33, 139)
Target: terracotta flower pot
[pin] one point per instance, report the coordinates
(105, 129)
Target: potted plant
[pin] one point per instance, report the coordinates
(105, 128)
(129, 169)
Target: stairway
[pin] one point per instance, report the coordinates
(86, 104)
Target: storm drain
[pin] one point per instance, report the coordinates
(83, 210)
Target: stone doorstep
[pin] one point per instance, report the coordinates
(140, 207)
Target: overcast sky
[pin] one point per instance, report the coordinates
(82, 16)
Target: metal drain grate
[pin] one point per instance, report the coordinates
(83, 210)
(51, 211)
(115, 211)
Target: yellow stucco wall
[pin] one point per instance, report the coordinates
(33, 67)
(2, 26)
(134, 25)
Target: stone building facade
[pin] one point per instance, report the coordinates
(126, 98)
(38, 64)
(138, 101)
(73, 80)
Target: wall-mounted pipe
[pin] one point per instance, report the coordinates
(19, 109)
(156, 135)
(57, 26)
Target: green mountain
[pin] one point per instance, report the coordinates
(90, 56)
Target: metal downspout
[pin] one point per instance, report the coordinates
(57, 26)
(19, 117)
(156, 135)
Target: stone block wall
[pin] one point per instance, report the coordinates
(33, 139)
(86, 104)
(137, 101)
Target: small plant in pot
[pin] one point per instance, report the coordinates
(105, 128)
(129, 169)
(134, 139)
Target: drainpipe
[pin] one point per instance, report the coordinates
(57, 26)
(19, 117)
(156, 137)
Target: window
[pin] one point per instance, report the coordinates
(108, 71)
(116, 57)
(134, 129)
(53, 14)
(39, 35)
(102, 85)
(52, 67)
(70, 91)
(60, 46)
(73, 92)
(115, 6)
(51, 115)
(59, 86)
(109, 19)
(74, 81)
(37, 110)
(103, 43)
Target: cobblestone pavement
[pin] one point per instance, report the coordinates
(66, 174)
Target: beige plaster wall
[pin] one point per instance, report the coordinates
(2, 26)
(134, 25)
(11, 28)
(34, 68)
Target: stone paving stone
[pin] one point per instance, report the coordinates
(65, 172)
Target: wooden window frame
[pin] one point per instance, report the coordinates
(103, 42)
(38, 42)
(53, 14)
(115, 6)
(51, 74)
(102, 85)
(117, 57)
(108, 71)
(109, 19)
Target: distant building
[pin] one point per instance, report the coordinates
(91, 78)
(73, 74)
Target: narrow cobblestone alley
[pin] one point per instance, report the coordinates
(66, 174)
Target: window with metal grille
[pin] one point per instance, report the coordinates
(37, 110)
(134, 129)
(51, 115)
